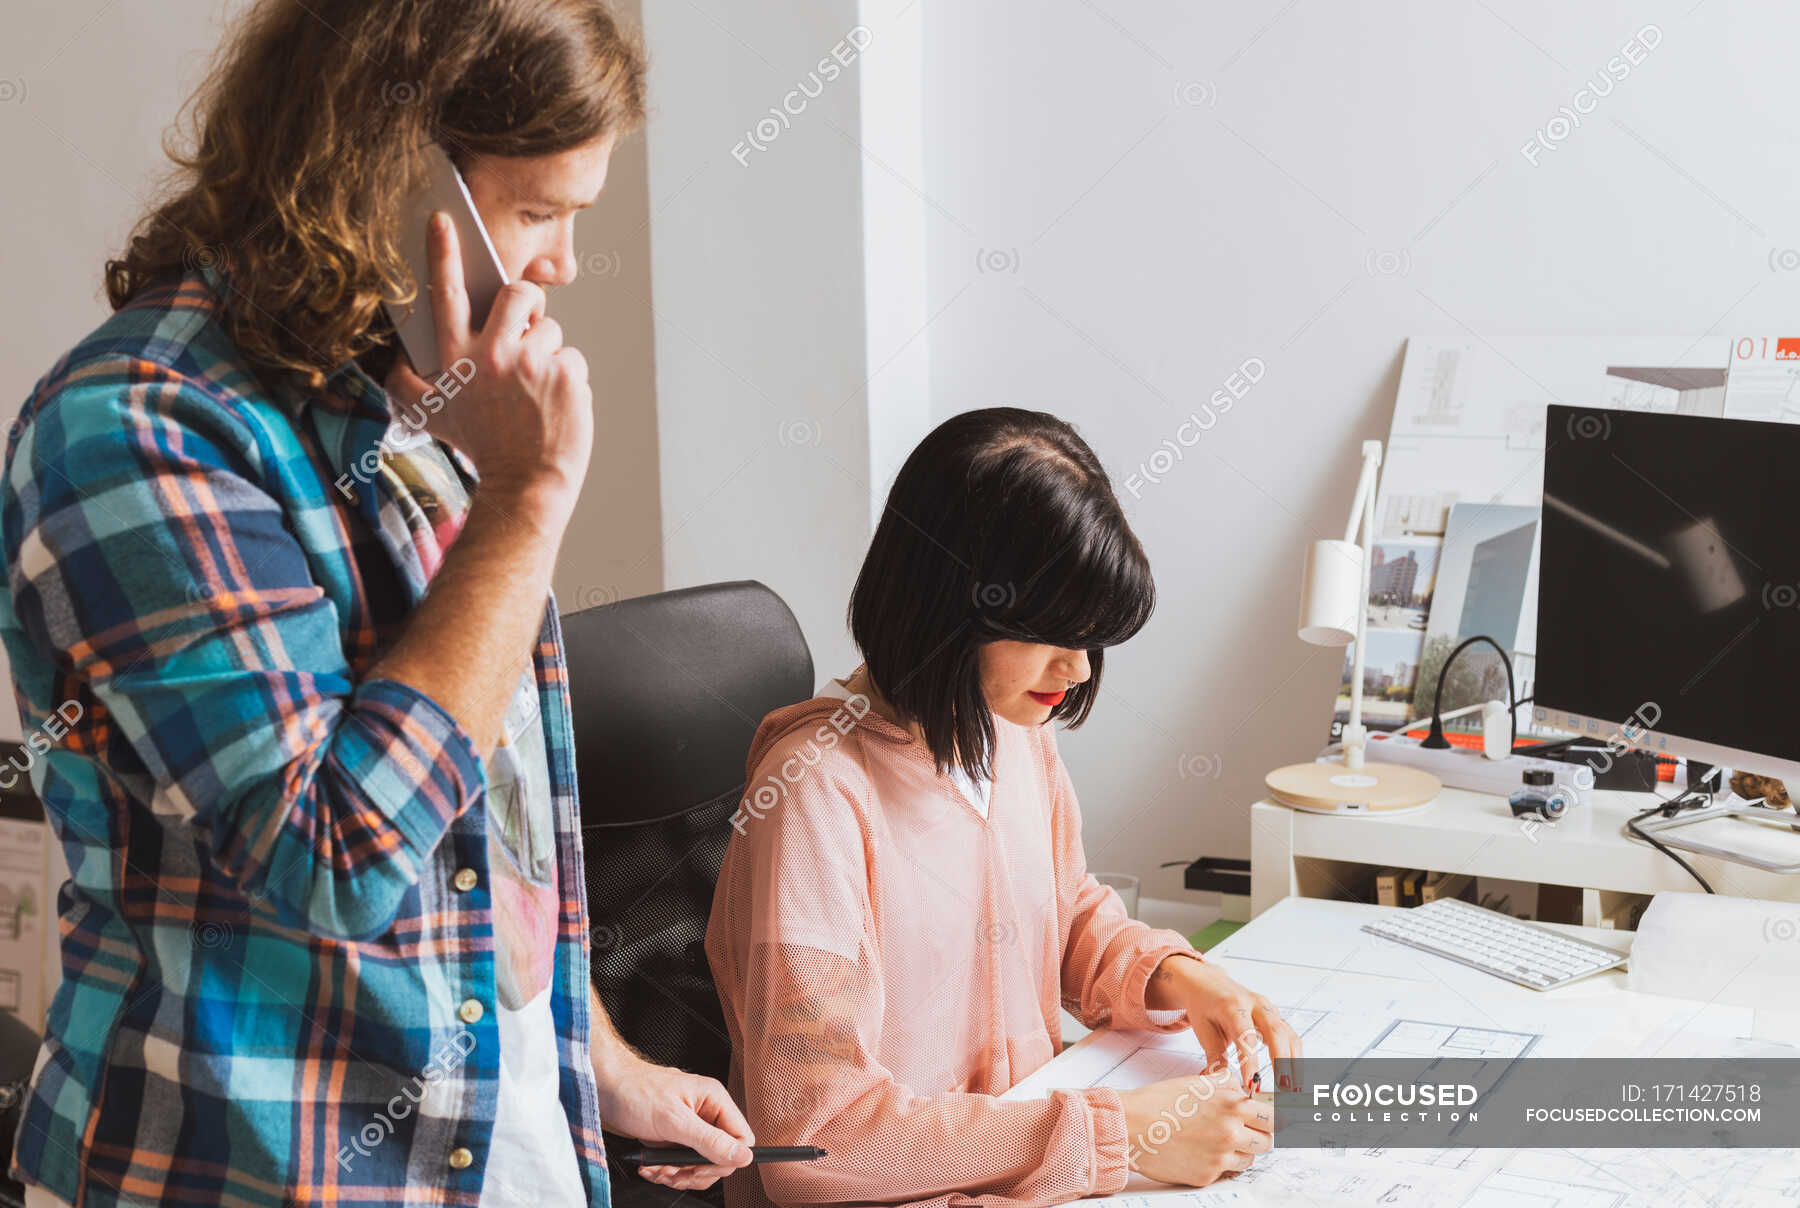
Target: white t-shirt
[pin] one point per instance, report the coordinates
(531, 1158)
(979, 792)
(39, 1197)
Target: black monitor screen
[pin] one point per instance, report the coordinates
(1670, 575)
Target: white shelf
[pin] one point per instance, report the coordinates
(1476, 834)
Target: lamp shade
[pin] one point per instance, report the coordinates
(1331, 593)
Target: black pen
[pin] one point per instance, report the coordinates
(676, 1155)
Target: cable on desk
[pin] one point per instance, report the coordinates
(1689, 799)
(1631, 824)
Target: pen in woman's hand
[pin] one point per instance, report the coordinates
(676, 1155)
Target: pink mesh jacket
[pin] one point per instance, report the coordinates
(889, 962)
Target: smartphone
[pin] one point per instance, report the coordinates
(482, 274)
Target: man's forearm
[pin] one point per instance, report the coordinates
(606, 1048)
(471, 638)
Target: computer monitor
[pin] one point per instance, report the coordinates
(1669, 586)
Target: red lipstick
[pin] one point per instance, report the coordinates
(1052, 699)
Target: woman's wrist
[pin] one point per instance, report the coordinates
(1173, 980)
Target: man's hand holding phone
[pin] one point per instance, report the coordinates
(522, 409)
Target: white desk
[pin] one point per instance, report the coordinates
(1338, 985)
(1294, 852)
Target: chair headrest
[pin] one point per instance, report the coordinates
(667, 691)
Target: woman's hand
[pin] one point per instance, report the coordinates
(1225, 1015)
(663, 1106)
(1193, 1131)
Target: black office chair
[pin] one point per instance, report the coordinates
(667, 692)
(18, 1055)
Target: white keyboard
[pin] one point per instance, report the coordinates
(1495, 943)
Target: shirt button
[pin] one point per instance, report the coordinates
(465, 879)
(470, 1011)
(461, 1159)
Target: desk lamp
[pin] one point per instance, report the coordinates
(1334, 596)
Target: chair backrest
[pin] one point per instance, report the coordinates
(667, 692)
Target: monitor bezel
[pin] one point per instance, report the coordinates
(1625, 736)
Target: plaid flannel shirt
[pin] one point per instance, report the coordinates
(277, 937)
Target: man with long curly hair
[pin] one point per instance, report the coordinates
(324, 939)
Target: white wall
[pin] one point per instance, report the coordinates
(612, 549)
(1163, 190)
(763, 334)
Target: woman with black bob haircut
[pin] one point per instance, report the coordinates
(1002, 527)
(906, 907)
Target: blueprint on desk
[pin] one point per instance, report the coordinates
(1347, 996)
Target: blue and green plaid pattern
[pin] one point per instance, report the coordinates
(264, 950)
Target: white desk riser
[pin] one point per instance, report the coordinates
(1294, 852)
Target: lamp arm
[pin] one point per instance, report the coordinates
(1362, 515)
(1362, 507)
